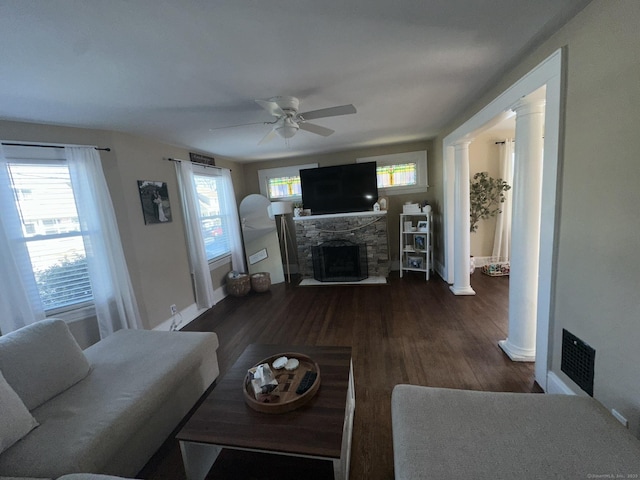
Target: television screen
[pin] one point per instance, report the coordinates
(340, 189)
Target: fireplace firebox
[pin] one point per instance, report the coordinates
(339, 261)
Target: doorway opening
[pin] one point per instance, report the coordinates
(547, 74)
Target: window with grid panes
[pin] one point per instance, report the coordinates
(51, 231)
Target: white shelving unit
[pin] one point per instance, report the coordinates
(416, 252)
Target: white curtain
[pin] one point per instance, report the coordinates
(235, 237)
(115, 302)
(195, 244)
(20, 302)
(502, 238)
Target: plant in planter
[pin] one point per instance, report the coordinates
(486, 195)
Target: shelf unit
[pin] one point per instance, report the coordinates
(416, 252)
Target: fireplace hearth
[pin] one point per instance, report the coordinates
(339, 261)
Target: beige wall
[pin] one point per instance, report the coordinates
(156, 254)
(341, 158)
(595, 293)
(484, 156)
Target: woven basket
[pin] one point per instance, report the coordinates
(261, 282)
(499, 269)
(239, 285)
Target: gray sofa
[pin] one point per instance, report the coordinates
(104, 410)
(444, 433)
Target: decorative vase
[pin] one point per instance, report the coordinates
(297, 212)
(472, 264)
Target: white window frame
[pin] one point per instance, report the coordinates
(224, 258)
(418, 157)
(292, 171)
(53, 156)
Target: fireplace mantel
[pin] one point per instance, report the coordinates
(307, 218)
(368, 228)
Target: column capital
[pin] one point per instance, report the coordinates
(528, 106)
(462, 144)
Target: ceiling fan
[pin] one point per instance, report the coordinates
(289, 121)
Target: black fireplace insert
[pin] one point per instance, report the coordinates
(339, 261)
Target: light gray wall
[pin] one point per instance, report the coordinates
(595, 294)
(156, 254)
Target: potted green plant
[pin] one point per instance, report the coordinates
(486, 195)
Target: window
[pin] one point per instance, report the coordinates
(51, 232)
(400, 172)
(282, 183)
(284, 187)
(400, 175)
(214, 216)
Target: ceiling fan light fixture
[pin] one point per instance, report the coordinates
(288, 128)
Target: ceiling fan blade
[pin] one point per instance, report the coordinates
(238, 125)
(268, 137)
(329, 112)
(317, 129)
(272, 107)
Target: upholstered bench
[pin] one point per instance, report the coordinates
(443, 433)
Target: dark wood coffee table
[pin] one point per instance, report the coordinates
(320, 429)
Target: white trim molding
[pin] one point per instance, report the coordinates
(555, 385)
(291, 171)
(549, 73)
(419, 157)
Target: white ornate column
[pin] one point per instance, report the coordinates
(520, 344)
(462, 224)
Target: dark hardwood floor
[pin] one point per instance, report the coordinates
(408, 331)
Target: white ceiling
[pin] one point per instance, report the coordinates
(173, 70)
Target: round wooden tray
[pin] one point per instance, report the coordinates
(284, 398)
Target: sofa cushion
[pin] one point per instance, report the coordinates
(15, 419)
(41, 360)
(133, 373)
(444, 433)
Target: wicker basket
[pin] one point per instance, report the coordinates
(238, 284)
(498, 269)
(261, 282)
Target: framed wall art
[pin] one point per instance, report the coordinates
(155, 201)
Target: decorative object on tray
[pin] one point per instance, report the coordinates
(288, 378)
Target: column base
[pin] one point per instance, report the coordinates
(462, 290)
(517, 354)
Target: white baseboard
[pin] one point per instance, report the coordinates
(186, 316)
(555, 385)
(439, 268)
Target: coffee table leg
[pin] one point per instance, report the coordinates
(198, 458)
(342, 465)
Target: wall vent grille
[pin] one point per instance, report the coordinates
(578, 361)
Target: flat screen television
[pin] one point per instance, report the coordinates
(340, 189)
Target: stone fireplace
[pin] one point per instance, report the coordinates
(368, 229)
